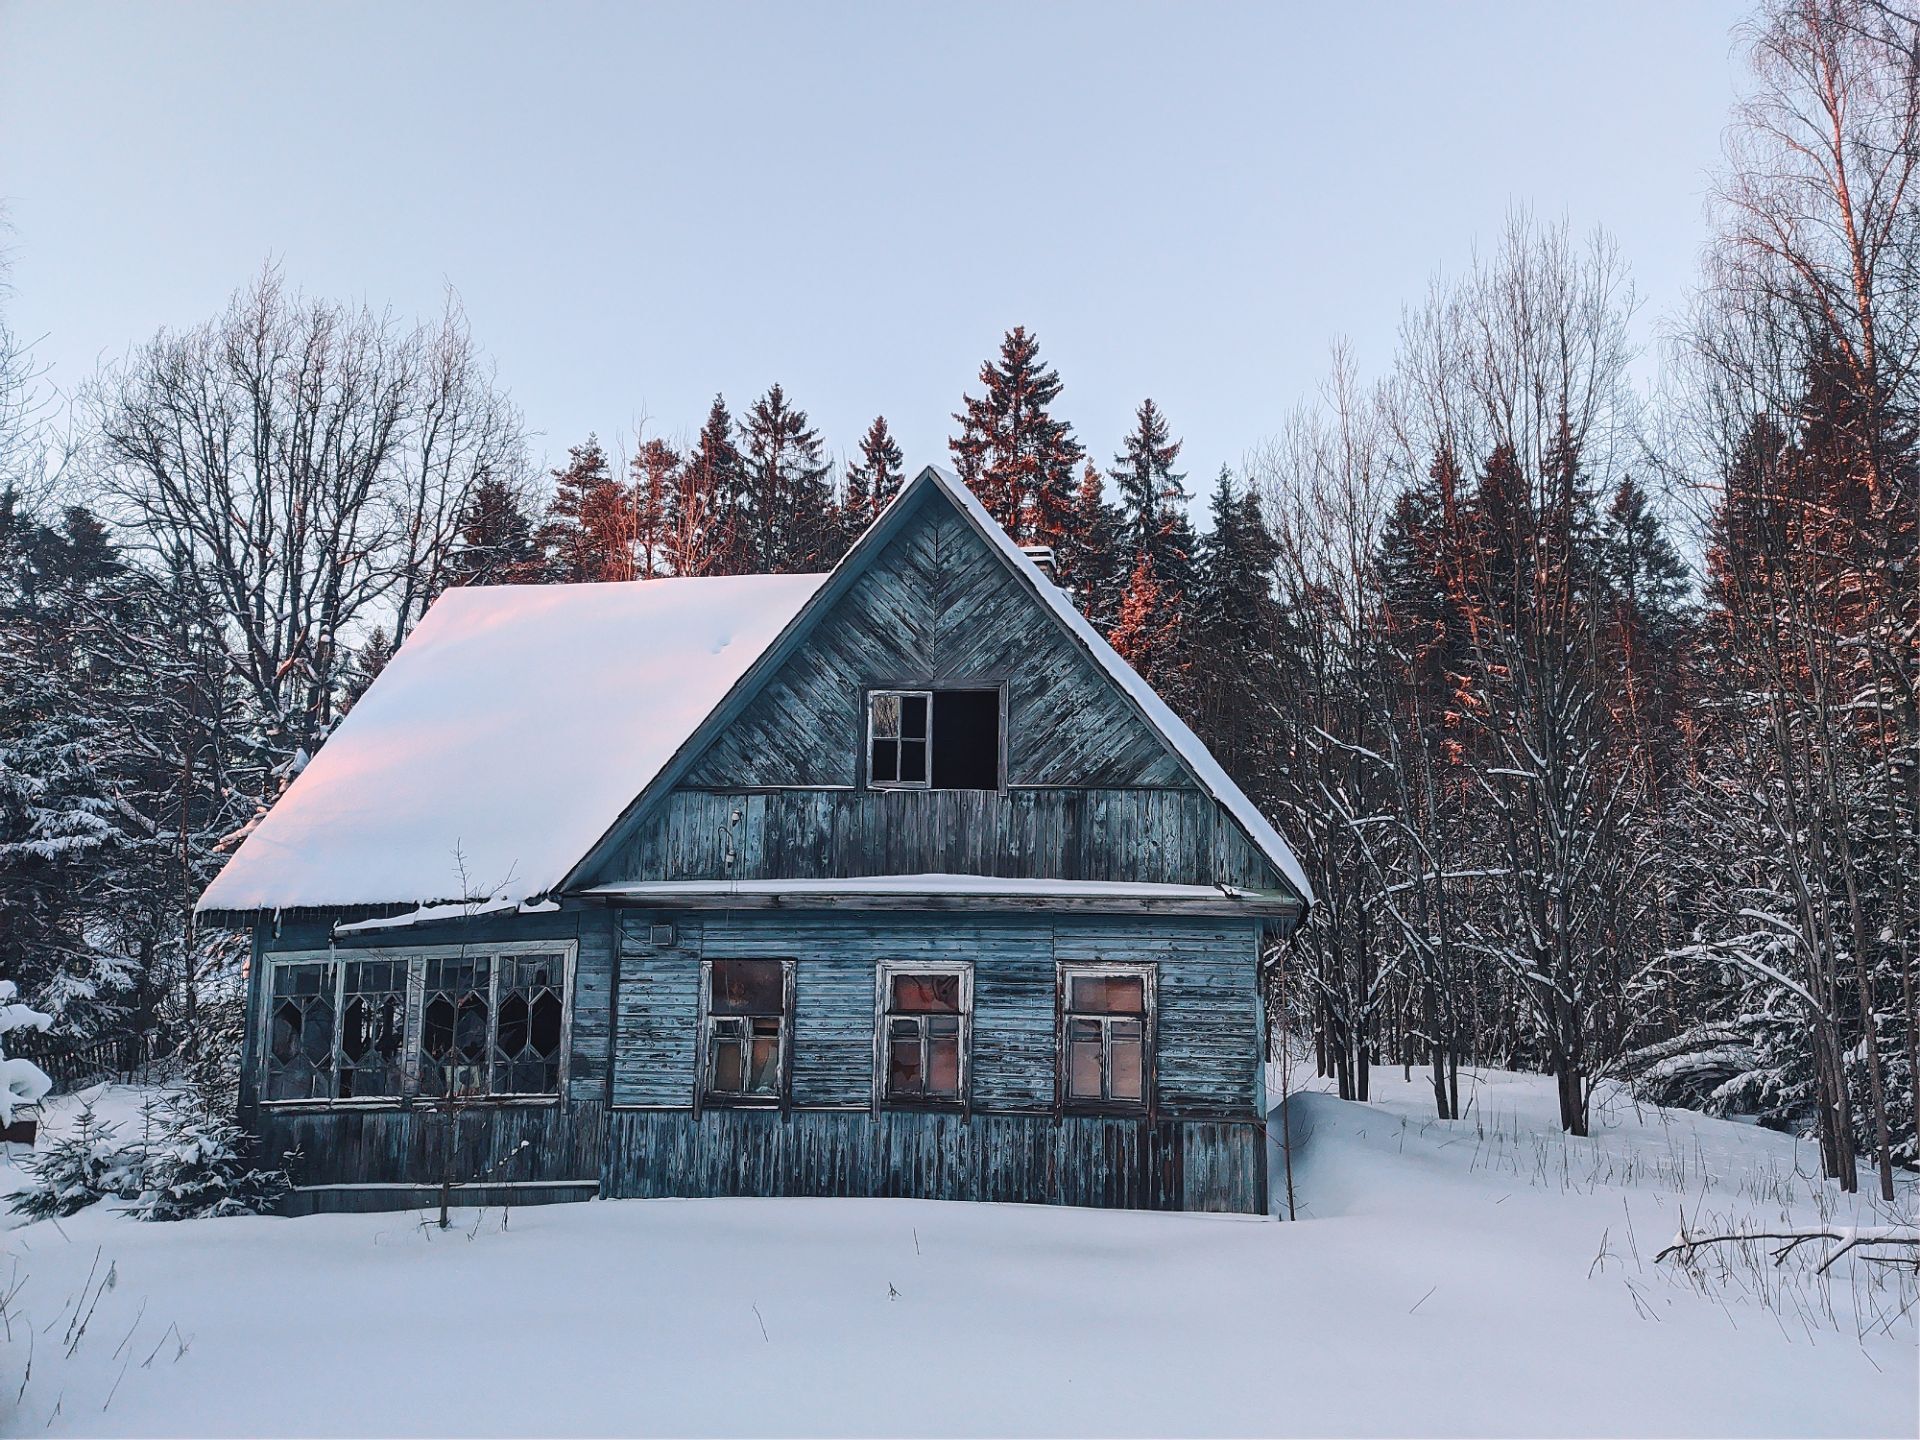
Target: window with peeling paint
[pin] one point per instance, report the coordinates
(747, 1005)
(925, 1025)
(1106, 1041)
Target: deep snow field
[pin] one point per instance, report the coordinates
(1491, 1276)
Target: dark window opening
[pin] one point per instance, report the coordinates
(934, 739)
(966, 740)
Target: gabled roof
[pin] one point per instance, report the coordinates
(1206, 771)
(522, 729)
(501, 741)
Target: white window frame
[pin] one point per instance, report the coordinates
(882, 1014)
(926, 780)
(704, 1096)
(415, 958)
(1068, 971)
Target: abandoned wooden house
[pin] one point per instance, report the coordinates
(891, 881)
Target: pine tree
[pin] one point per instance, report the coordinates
(791, 522)
(1012, 452)
(590, 527)
(1149, 635)
(1152, 495)
(652, 473)
(1234, 619)
(496, 545)
(1088, 557)
(1154, 526)
(707, 517)
(875, 478)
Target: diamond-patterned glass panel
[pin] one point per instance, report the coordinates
(454, 1024)
(373, 1021)
(300, 1038)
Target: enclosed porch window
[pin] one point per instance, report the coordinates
(382, 1025)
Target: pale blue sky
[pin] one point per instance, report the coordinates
(641, 205)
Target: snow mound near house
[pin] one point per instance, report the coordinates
(1483, 1277)
(503, 739)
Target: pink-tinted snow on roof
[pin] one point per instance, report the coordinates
(507, 734)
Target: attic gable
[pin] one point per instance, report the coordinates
(937, 606)
(926, 622)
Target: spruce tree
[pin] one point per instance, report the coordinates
(1089, 556)
(1012, 451)
(707, 516)
(495, 546)
(875, 478)
(589, 531)
(1151, 493)
(791, 522)
(1234, 620)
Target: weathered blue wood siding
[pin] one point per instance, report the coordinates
(938, 604)
(1092, 792)
(1161, 836)
(1208, 1028)
(1024, 1159)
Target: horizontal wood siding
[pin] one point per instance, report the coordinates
(1079, 1160)
(1208, 1030)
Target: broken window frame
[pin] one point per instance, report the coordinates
(705, 1094)
(931, 692)
(1066, 1017)
(884, 1016)
(412, 1057)
(899, 739)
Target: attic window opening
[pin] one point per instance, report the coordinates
(933, 739)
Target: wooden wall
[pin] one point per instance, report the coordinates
(1092, 792)
(938, 604)
(1208, 1028)
(1076, 1160)
(1200, 1150)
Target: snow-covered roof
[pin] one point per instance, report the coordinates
(1211, 774)
(499, 744)
(518, 723)
(933, 888)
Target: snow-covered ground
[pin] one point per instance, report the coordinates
(1485, 1277)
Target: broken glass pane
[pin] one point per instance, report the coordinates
(913, 716)
(916, 994)
(913, 762)
(764, 1075)
(748, 987)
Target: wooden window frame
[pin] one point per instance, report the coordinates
(929, 689)
(704, 1096)
(882, 1014)
(415, 958)
(1065, 1102)
(903, 693)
